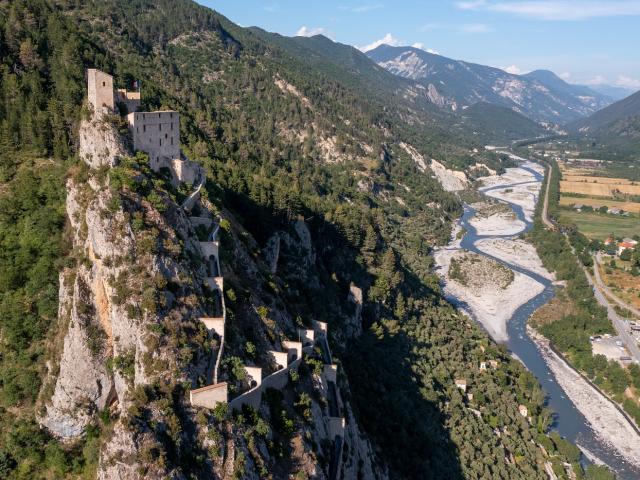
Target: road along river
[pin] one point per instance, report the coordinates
(582, 414)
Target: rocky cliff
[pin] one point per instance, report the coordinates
(132, 345)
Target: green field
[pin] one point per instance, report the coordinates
(599, 226)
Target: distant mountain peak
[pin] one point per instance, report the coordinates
(540, 95)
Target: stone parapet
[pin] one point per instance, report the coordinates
(215, 324)
(255, 373)
(209, 396)
(280, 358)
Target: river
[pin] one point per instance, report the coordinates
(568, 420)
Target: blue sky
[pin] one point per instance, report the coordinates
(584, 41)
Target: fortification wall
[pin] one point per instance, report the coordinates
(209, 248)
(277, 380)
(252, 397)
(255, 373)
(280, 358)
(214, 283)
(184, 170)
(294, 350)
(204, 221)
(131, 100)
(157, 134)
(330, 372)
(209, 396)
(336, 426)
(307, 337)
(214, 323)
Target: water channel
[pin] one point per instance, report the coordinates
(568, 420)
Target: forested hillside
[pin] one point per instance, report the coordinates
(283, 138)
(612, 133)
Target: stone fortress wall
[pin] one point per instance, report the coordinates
(131, 100)
(289, 358)
(158, 134)
(155, 133)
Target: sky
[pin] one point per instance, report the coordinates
(583, 41)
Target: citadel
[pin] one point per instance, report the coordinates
(157, 133)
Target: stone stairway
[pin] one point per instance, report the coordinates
(290, 356)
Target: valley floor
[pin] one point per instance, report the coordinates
(493, 306)
(603, 416)
(493, 232)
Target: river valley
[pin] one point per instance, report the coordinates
(490, 230)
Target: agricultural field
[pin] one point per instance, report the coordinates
(599, 202)
(599, 225)
(589, 186)
(600, 187)
(572, 177)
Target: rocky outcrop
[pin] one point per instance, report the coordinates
(272, 252)
(131, 343)
(360, 461)
(353, 327)
(451, 180)
(84, 385)
(100, 144)
(415, 156)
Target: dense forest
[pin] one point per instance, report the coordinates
(281, 138)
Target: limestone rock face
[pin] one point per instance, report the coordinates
(272, 252)
(100, 143)
(83, 384)
(360, 457)
(353, 327)
(451, 180)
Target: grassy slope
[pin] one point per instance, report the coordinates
(600, 225)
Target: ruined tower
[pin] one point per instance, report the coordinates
(100, 90)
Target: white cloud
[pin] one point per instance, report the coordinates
(305, 31)
(388, 39)
(597, 80)
(565, 75)
(514, 69)
(420, 45)
(570, 10)
(475, 28)
(625, 81)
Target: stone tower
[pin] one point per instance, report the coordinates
(100, 90)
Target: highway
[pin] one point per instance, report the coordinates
(545, 203)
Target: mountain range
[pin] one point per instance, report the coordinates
(612, 133)
(540, 95)
(611, 118)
